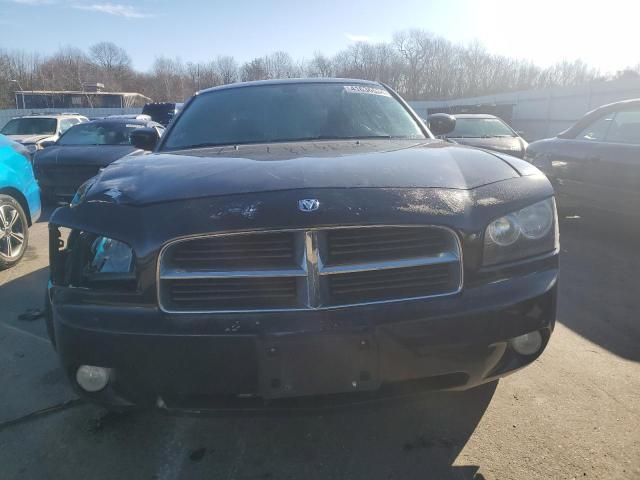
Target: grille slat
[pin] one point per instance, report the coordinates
(217, 294)
(361, 245)
(258, 250)
(384, 285)
(308, 269)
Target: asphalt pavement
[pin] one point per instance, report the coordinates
(574, 413)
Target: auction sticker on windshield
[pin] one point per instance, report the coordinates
(367, 90)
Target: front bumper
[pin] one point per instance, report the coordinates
(235, 360)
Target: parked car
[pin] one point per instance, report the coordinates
(162, 112)
(132, 116)
(595, 164)
(19, 201)
(486, 131)
(298, 238)
(34, 130)
(82, 151)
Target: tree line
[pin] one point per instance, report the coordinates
(417, 64)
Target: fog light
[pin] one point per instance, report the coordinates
(92, 379)
(527, 344)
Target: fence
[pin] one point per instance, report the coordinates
(541, 113)
(6, 115)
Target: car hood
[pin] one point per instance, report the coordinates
(101, 155)
(510, 145)
(218, 171)
(29, 138)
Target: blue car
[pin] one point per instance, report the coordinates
(19, 201)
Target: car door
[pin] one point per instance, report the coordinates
(571, 165)
(613, 170)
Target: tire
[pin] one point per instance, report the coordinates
(14, 232)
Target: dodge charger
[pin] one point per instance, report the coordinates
(297, 241)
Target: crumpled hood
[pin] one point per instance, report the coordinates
(162, 177)
(30, 138)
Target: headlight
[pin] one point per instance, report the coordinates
(81, 194)
(31, 147)
(525, 233)
(110, 256)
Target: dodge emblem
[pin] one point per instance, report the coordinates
(308, 204)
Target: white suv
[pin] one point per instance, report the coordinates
(33, 130)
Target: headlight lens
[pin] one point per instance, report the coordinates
(525, 233)
(110, 256)
(536, 221)
(31, 147)
(504, 231)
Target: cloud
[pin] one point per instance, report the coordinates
(116, 9)
(358, 38)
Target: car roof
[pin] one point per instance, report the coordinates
(474, 115)
(128, 121)
(593, 114)
(289, 81)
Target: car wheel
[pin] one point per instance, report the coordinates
(14, 232)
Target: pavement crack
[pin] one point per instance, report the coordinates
(41, 413)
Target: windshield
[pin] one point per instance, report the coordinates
(30, 126)
(291, 112)
(105, 133)
(481, 127)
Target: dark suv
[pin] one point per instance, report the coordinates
(162, 112)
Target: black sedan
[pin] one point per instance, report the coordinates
(300, 238)
(486, 131)
(595, 164)
(82, 151)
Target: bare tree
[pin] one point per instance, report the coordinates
(254, 70)
(416, 63)
(227, 69)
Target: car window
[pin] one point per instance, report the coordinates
(66, 124)
(278, 113)
(481, 127)
(625, 128)
(104, 133)
(30, 126)
(597, 131)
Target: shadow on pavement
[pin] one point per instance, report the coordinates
(599, 295)
(415, 438)
(22, 293)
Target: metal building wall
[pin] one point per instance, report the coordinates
(544, 113)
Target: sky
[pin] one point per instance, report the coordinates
(603, 34)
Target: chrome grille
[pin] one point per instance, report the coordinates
(308, 269)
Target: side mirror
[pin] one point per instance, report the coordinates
(441, 123)
(144, 138)
(47, 143)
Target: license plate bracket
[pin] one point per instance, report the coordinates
(302, 365)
